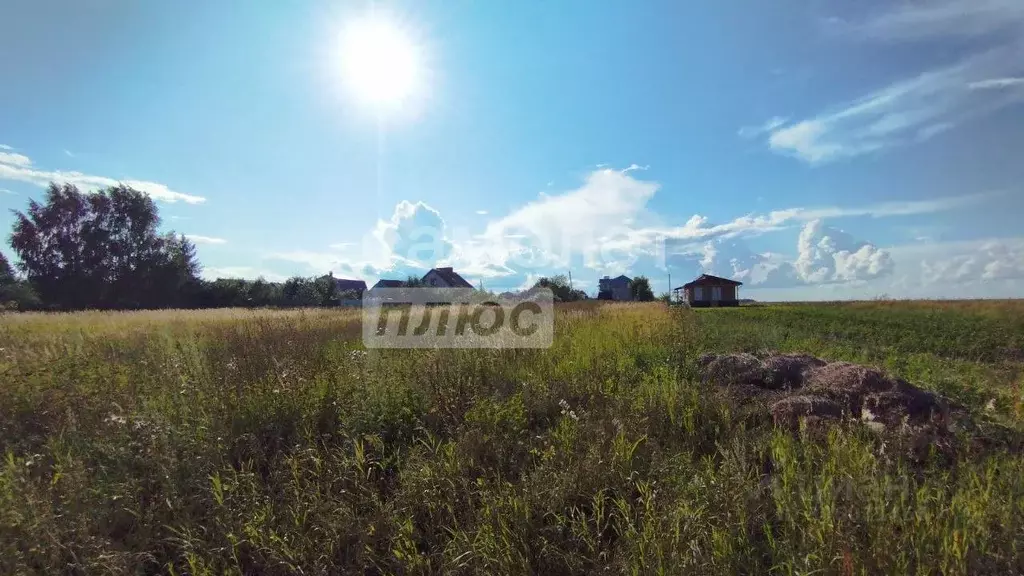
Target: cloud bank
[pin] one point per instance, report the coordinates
(20, 168)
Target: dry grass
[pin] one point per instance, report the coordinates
(270, 442)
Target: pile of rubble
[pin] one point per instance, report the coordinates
(797, 386)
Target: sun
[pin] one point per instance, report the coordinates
(381, 65)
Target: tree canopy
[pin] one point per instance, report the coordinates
(640, 288)
(101, 250)
(559, 286)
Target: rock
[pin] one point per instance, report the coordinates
(788, 411)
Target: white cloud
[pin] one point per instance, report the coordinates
(5, 147)
(414, 239)
(604, 227)
(482, 212)
(14, 159)
(768, 126)
(200, 239)
(6, 191)
(416, 233)
(17, 167)
(827, 254)
(996, 83)
(553, 227)
(966, 262)
(896, 208)
(69, 153)
(911, 109)
(936, 18)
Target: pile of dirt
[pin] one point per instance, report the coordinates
(798, 386)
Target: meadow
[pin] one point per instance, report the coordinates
(271, 442)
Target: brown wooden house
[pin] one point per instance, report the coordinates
(708, 290)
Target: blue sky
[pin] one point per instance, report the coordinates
(812, 150)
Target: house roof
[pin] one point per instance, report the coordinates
(709, 280)
(345, 284)
(450, 277)
(382, 283)
(619, 278)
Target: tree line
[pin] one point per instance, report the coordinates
(103, 250)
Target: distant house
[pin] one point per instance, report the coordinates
(617, 288)
(345, 285)
(374, 293)
(445, 278)
(382, 283)
(708, 290)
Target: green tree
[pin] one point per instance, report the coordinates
(326, 290)
(6, 272)
(299, 291)
(559, 286)
(640, 288)
(15, 293)
(101, 250)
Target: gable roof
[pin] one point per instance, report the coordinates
(382, 283)
(619, 278)
(708, 279)
(345, 284)
(450, 277)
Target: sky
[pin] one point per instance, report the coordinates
(813, 150)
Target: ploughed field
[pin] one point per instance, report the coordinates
(861, 438)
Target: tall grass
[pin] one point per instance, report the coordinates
(272, 443)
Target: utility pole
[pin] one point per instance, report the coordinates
(669, 287)
(570, 280)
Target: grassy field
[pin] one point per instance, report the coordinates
(270, 442)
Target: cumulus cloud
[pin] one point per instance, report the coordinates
(416, 233)
(200, 239)
(969, 262)
(824, 255)
(414, 239)
(17, 167)
(555, 226)
(827, 254)
(604, 227)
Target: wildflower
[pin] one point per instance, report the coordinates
(116, 419)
